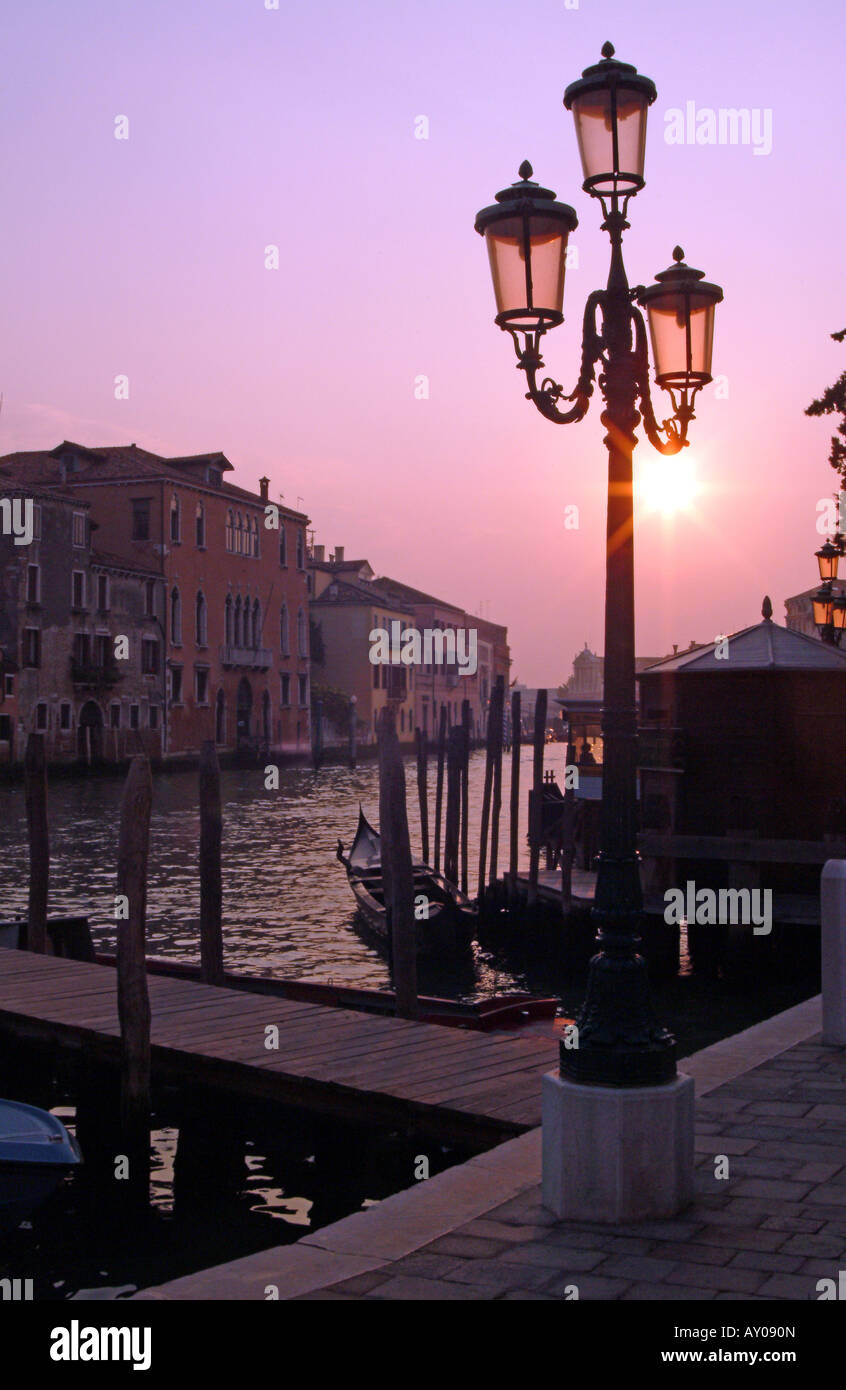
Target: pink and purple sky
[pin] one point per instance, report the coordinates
(295, 127)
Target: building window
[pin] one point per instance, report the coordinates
(32, 646)
(302, 633)
(149, 656)
(175, 617)
(237, 625)
(256, 624)
(375, 677)
(230, 531)
(82, 649)
(64, 716)
(214, 476)
(220, 718)
(201, 685)
(302, 682)
(41, 717)
(149, 598)
(285, 682)
(80, 539)
(101, 650)
(239, 534)
(283, 547)
(140, 518)
(176, 685)
(114, 716)
(256, 534)
(134, 717)
(77, 589)
(154, 716)
(300, 550)
(36, 522)
(200, 620)
(33, 583)
(174, 519)
(5, 728)
(10, 685)
(200, 526)
(227, 620)
(103, 593)
(284, 633)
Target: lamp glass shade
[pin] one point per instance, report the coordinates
(827, 557)
(528, 257)
(611, 131)
(681, 326)
(823, 605)
(839, 614)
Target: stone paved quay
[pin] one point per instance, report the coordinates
(770, 1230)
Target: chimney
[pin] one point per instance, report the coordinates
(318, 553)
(264, 484)
(339, 554)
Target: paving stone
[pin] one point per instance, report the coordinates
(590, 1286)
(526, 1295)
(676, 1293)
(427, 1265)
(554, 1257)
(594, 1240)
(466, 1247)
(770, 1260)
(778, 1188)
(823, 1245)
(792, 1223)
(500, 1230)
(409, 1288)
(821, 1269)
(697, 1254)
(363, 1283)
(640, 1267)
(524, 1210)
(828, 1194)
(741, 1239)
(720, 1143)
(790, 1286)
(717, 1277)
(829, 1112)
(499, 1275)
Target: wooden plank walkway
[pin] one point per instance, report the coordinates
(452, 1084)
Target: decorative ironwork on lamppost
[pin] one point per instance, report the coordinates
(620, 1040)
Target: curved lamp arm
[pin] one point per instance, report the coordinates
(675, 428)
(549, 393)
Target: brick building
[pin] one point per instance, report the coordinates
(67, 608)
(234, 619)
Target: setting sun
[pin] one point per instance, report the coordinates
(667, 485)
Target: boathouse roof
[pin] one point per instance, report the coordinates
(766, 646)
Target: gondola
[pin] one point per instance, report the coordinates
(451, 919)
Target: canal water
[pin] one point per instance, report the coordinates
(287, 912)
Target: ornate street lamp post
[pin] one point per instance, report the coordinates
(829, 607)
(620, 1041)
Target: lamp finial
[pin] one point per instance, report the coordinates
(767, 609)
(525, 171)
(607, 50)
(678, 254)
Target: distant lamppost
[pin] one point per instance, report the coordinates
(620, 1041)
(829, 607)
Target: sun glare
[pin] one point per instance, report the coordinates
(667, 485)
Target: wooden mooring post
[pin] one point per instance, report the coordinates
(536, 817)
(455, 754)
(497, 712)
(133, 998)
(439, 787)
(514, 803)
(423, 791)
(397, 870)
(35, 786)
(466, 728)
(211, 882)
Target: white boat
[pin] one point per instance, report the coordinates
(36, 1152)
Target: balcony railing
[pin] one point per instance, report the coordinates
(256, 658)
(88, 673)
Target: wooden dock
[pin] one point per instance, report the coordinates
(452, 1085)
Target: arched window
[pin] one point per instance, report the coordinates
(239, 534)
(302, 633)
(300, 551)
(220, 717)
(230, 531)
(256, 624)
(283, 546)
(284, 633)
(227, 621)
(200, 526)
(255, 528)
(265, 716)
(175, 617)
(248, 627)
(174, 518)
(237, 632)
(201, 623)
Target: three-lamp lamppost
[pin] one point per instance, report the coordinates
(830, 607)
(620, 1041)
